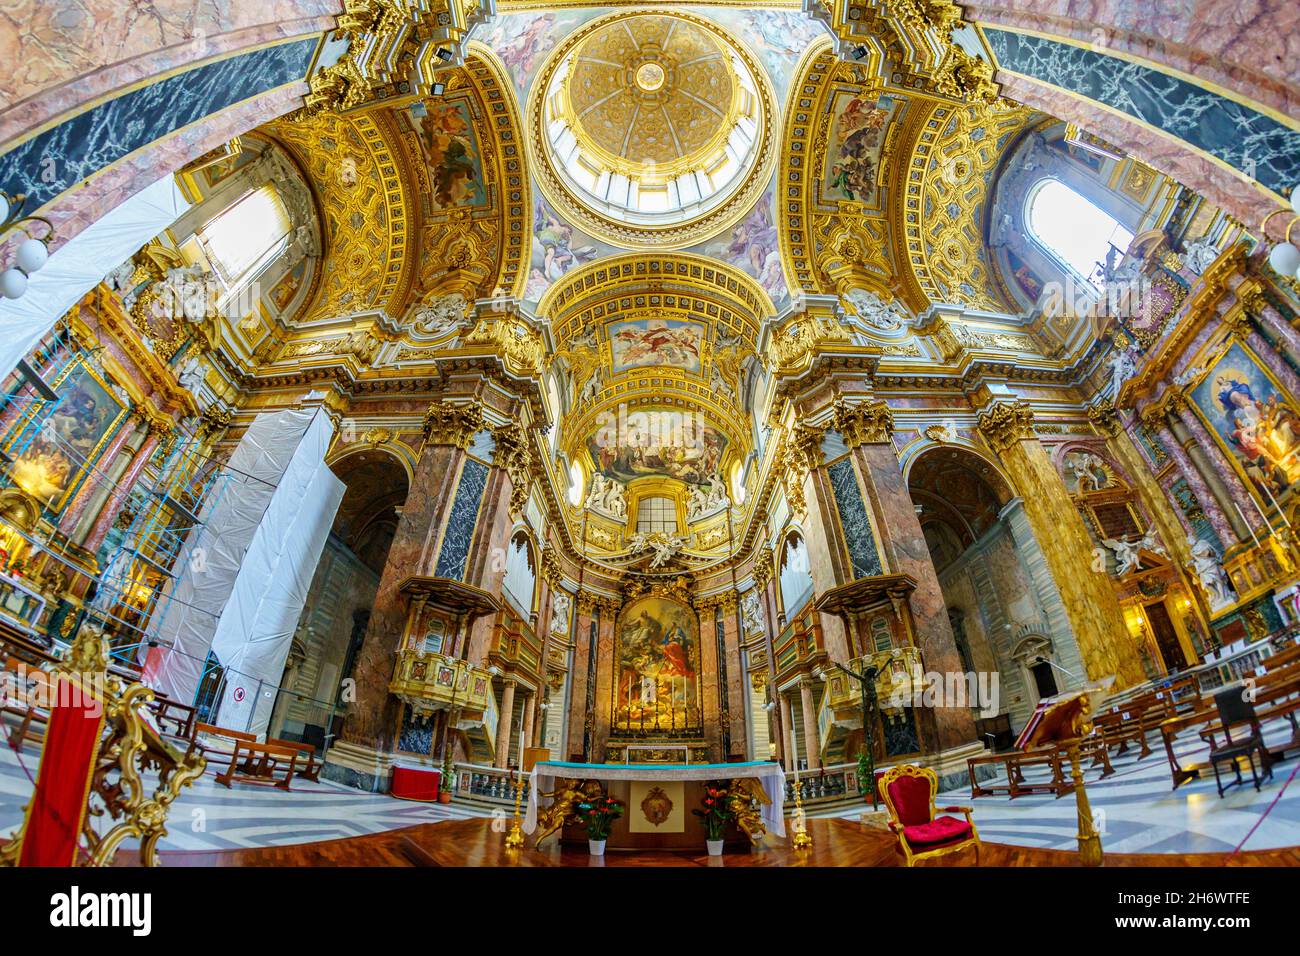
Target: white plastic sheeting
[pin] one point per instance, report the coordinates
(271, 511)
(81, 263)
(253, 637)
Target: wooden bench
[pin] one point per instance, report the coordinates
(1013, 764)
(1134, 721)
(260, 763)
(1278, 696)
(30, 717)
(305, 750)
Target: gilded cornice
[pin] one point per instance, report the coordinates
(1005, 423)
(107, 307)
(863, 423)
(452, 424)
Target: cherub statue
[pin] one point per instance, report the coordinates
(566, 795)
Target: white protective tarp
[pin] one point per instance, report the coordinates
(81, 263)
(252, 640)
(210, 564)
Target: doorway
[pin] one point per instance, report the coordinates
(1166, 635)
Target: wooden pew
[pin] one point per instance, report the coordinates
(1013, 763)
(260, 763)
(31, 719)
(305, 750)
(1134, 721)
(1276, 695)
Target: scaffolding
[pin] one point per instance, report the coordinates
(135, 588)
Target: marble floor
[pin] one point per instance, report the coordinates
(1136, 811)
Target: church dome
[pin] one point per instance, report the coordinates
(651, 123)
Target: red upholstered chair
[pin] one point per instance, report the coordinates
(909, 795)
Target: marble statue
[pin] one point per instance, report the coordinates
(706, 499)
(560, 608)
(1126, 555)
(875, 312)
(191, 376)
(1200, 254)
(1208, 570)
(752, 615)
(664, 546)
(1122, 366)
(607, 496)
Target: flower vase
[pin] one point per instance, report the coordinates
(596, 847)
(715, 847)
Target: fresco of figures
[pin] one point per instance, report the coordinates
(450, 148)
(656, 342)
(859, 127)
(1256, 421)
(753, 246)
(658, 444)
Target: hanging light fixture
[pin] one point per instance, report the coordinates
(33, 252)
(1284, 257)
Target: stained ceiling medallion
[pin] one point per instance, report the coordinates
(652, 130)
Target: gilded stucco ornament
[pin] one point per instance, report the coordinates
(863, 423)
(514, 453)
(446, 423)
(1005, 423)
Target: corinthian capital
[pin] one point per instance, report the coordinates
(1003, 424)
(448, 424)
(1102, 415)
(864, 423)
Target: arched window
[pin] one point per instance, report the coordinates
(1074, 230)
(521, 574)
(656, 514)
(243, 238)
(795, 576)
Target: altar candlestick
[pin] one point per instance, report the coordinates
(1268, 522)
(1278, 507)
(1247, 524)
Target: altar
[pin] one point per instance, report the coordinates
(658, 799)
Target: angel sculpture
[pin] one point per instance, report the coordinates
(743, 800)
(663, 545)
(584, 369)
(1149, 542)
(1126, 554)
(567, 795)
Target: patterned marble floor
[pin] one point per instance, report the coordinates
(1137, 812)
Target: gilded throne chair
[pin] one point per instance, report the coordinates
(909, 796)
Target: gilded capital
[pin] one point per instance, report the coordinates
(1003, 424)
(1102, 415)
(864, 423)
(449, 424)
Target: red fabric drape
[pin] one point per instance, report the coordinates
(63, 779)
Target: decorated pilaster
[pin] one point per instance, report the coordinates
(363, 755)
(867, 428)
(1089, 599)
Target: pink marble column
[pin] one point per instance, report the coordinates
(1223, 469)
(95, 476)
(604, 677)
(64, 54)
(1209, 504)
(581, 675)
(710, 698)
(99, 530)
(735, 684)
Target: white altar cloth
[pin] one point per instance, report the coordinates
(769, 775)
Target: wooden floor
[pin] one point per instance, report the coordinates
(835, 843)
